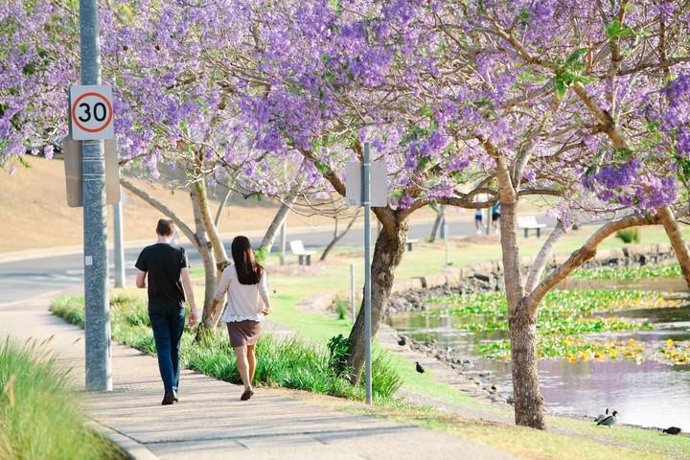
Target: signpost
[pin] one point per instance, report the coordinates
(354, 192)
(71, 151)
(367, 186)
(91, 121)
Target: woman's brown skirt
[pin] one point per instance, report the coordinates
(243, 332)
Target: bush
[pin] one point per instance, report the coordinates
(338, 354)
(39, 416)
(629, 235)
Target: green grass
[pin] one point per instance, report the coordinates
(40, 417)
(628, 273)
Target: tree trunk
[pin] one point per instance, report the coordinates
(221, 206)
(676, 238)
(440, 215)
(337, 237)
(215, 251)
(529, 404)
(281, 215)
(200, 201)
(388, 252)
(278, 220)
(207, 259)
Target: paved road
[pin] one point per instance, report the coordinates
(38, 274)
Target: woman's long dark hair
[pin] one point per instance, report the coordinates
(249, 271)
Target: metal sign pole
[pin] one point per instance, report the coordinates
(118, 247)
(352, 292)
(445, 238)
(97, 321)
(366, 201)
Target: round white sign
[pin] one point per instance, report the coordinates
(91, 112)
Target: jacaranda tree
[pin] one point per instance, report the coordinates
(581, 102)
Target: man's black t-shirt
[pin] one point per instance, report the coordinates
(163, 263)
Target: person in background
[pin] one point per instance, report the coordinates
(478, 221)
(166, 267)
(496, 216)
(245, 283)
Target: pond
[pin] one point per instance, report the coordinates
(644, 392)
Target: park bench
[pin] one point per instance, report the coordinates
(297, 248)
(409, 242)
(528, 223)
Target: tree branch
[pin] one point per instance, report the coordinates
(166, 211)
(582, 255)
(545, 252)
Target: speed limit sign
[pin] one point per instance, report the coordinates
(91, 112)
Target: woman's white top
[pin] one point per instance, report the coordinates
(244, 300)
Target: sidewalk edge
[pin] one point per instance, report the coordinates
(134, 449)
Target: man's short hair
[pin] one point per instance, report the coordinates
(165, 227)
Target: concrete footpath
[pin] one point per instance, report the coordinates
(211, 422)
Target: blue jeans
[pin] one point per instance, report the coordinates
(167, 324)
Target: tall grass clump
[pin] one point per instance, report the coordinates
(629, 235)
(341, 307)
(71, 309)
(289, 362)
(39, 416)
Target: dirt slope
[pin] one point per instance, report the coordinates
(34, 211)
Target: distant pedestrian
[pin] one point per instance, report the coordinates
(248, 303)
(478, 218)
(166, 267)
(496, 216)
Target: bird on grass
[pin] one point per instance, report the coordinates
(402, 341)
(601, 417)
(609, 419)
(671, 430)
(419, 367)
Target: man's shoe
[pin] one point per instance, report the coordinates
(246, 395)
(174, 393)
(168, 399)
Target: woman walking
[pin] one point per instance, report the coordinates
(248, 303)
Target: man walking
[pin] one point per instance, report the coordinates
(167, 268)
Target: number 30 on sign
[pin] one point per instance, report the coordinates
(91, 112)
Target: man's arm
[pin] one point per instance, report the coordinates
(141, 279)
(189, 294)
